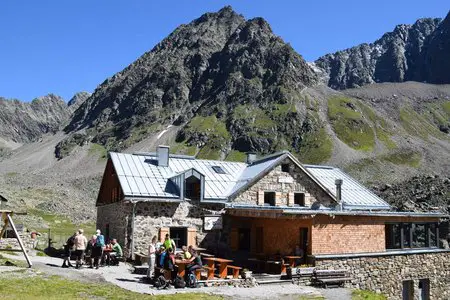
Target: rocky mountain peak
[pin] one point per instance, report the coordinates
(396, 57)
(193, 68)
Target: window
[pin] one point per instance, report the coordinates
(424, 289)
(419, 236)
(299, 199)
(269, 198)
(115, 194)
(411, 235)
(408, 290)
(218, 170)
(192, 188)
(285, 168)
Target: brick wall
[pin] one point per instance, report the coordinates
(347, 235)
(285, 184)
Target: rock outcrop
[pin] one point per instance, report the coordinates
(418, 52)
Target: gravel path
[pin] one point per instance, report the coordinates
(121, 276)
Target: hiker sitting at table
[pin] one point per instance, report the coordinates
(80, 247)
(195, 262)
(68, 248)
(184, 254)
(116, 249)
(169, 243)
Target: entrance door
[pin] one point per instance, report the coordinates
(244, 239)
(179, 235)
(304, 240)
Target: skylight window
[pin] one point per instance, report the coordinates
(218, 170)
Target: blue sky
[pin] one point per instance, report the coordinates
(62, 47)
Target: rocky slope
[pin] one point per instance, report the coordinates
(410, 52)
(200, 75)
(23, 122)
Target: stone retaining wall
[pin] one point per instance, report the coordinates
(385, 273)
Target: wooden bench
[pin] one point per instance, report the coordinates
(325, 278)
(236, 271)
(209, 272)
(140, 258)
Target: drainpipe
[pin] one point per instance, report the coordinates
(132, 230)
(338, 183)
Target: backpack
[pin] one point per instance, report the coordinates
(191, 281)
(71, 241)
(100, 241)
(179, 283)
(161, 283)
(168, 263)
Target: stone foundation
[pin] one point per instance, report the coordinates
(384, 273)
(150, 217)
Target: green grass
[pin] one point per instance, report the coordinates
(446, 107)
(382, 129)
(183, 148)
(409, 158)
(366, 295)
(311, 298)
(18, 263)
(61, 227)
(235, 155)
(417, 125)
(54, 287)
(350, 125)
(98, 150)
(209, 153)
(316, 147)
(256, 117)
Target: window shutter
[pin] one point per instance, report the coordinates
(192, 236)
(277, 198)
(260, 198)
(291, 199)
(162, 233)
(234, 239)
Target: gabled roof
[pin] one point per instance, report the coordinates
(141, 177)
(354, 195)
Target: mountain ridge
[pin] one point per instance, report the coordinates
(409, 52)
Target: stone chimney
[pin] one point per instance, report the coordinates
(338, 183)
(251, 157)
(163, 155)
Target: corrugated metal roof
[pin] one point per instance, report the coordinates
(255, 169)
(354, 195)
(140, 175)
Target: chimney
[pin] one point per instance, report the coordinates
(338, 183)
(163, 156)
(251, 157)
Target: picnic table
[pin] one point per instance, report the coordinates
(181, 263)
(291, 259)
(223, 265)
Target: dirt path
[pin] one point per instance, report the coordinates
(122, 277)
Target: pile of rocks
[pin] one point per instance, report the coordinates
(419, 193)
